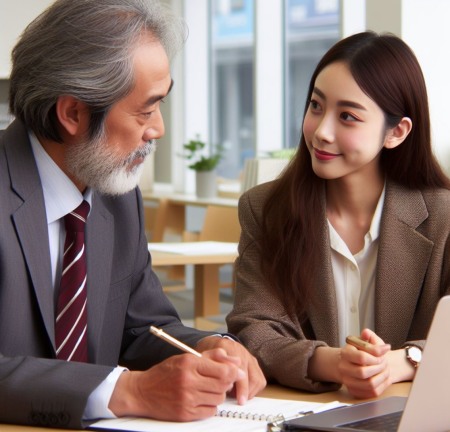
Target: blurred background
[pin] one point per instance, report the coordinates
(241, 80)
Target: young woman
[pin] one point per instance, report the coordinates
(353, 238)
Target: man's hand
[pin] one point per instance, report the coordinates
(182, 388)
(253, 382)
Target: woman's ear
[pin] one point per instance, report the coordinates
(72, 114)
(398, 134)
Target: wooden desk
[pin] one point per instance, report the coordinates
(206, 277)
(342, 395)
(273, 391)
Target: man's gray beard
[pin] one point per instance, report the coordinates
(95, 166)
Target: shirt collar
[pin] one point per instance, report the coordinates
(61, 196)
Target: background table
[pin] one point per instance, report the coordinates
(206, 276)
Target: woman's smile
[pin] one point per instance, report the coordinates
(323, 155)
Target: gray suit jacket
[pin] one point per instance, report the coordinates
(413, 272)
(124, 297)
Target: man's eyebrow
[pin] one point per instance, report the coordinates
(153, 99)
(341, 103)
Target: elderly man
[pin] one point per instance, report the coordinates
(77, 292)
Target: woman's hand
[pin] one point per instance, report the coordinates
(366, 371)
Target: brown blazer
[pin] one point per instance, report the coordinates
(413, 272)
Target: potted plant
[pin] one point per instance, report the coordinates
(204, 165)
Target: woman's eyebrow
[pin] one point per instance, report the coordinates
(351, 104)
(341, 103)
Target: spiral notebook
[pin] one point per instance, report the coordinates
(230, 417)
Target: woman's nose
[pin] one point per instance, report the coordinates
(325, 129)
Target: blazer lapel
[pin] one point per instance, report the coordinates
(403, 258)
(99, 245)
(30, 219)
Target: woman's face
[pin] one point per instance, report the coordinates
(344, 129)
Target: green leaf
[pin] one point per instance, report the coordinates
(194, 151)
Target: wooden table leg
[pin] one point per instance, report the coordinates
(206, 290)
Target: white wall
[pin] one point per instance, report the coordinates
(196, 82)
(353, 16)
(425, 27)
(269, 81)
(15, 15)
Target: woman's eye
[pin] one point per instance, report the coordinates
(348, 117)
(314, 105)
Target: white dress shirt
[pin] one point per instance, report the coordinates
(61, 196)
(354, 278)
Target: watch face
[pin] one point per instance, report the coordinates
(415, 354)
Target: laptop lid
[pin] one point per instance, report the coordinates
(427, 407)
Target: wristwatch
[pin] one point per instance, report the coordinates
(413, 355)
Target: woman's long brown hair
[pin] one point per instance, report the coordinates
(387, 70)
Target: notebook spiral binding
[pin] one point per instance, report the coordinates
(249, 415)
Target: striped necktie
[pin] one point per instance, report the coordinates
(71, 312)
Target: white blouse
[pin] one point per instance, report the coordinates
(354, 278)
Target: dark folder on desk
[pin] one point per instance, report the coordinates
(427, 407)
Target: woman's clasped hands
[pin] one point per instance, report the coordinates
(366, 370)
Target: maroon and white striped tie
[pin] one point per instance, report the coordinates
(71, 312)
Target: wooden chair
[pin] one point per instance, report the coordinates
(220, 224)
(164, 219)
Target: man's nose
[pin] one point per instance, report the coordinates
(156, 129)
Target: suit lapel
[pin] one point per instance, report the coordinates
(30, 219)
(403, 258)
(99, 245)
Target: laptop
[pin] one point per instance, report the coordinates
(427, 407)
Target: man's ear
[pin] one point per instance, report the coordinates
(398, 134)
(72, 114)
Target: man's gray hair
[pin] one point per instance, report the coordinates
(84, 48)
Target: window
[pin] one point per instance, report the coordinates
(312, 27)
(232, 75)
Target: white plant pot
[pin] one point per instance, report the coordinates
(206, 184)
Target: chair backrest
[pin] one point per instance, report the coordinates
(220, 224)
(261, 170)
